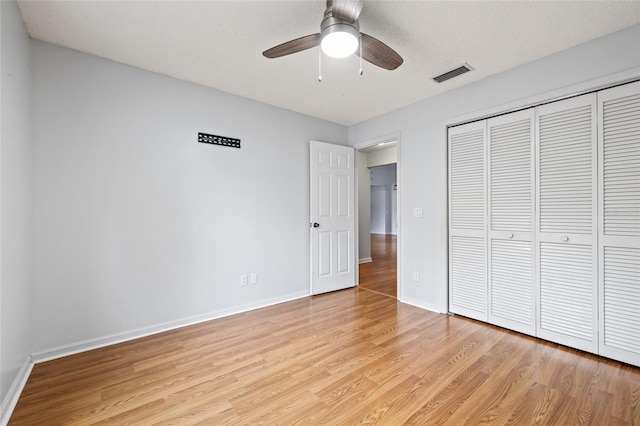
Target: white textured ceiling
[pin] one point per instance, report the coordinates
(219, 44)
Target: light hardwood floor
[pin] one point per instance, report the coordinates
(380, 275)
(345, 358)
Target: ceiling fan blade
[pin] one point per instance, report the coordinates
(349, 10)
(293, 46)
(378, 53)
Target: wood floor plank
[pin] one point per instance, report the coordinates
(506, 378)
(380, 275)
(350, 357)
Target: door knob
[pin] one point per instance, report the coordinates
(510, 235)
(316, 225)
(564, 238)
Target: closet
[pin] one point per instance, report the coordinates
(544, 221)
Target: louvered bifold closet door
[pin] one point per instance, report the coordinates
(619, 207)
(467, 231)
(511, 203)
(566, 222)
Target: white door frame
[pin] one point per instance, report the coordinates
(366, 144)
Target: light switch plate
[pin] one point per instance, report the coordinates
(417, 212)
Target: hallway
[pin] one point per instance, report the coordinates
(380, 276)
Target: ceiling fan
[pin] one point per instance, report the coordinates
(340, 37)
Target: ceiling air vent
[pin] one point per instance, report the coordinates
(453, 73)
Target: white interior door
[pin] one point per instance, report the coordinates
(332, 217)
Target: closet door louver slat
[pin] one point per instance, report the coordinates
(621, 302)
(619, 237)
(621, 163)
(467, 180)
(467, 229)
(565, 139)
(467, 266)
(566, 291)
(512, 298)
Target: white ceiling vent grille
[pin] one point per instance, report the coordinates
(464, 68)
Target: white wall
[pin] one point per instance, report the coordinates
(15, 197)
(136, 224)
(423, 129)
(382, 156)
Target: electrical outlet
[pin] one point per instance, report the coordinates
(243, 279)
(416, 276)
(253, 278)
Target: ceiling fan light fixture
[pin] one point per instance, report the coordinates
(340, 37)
(339, 40)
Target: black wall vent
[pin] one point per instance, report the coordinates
(218, 140)
(453, 73)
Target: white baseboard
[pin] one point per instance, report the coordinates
(365, 260)
(100, 342)
(11, 399)
(418, 304)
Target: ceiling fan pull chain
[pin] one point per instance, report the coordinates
(360, 42)
(320, 65)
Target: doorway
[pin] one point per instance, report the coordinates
(377, 167)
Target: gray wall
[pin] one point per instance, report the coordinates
(136, 224)
(422, 126)
(15, 196)
(385, 177)
(364, 213)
